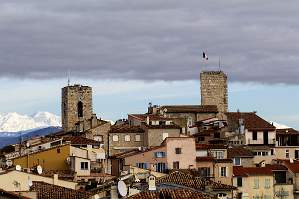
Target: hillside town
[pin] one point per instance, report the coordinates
(200, 151)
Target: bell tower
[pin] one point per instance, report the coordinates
(213, 85)
(76, 106)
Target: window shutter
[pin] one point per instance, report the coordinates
(227, 172)
(219, 171)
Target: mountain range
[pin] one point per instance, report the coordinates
(15, 122)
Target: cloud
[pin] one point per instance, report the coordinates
(149, 40)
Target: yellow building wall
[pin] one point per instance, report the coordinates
(51, 159)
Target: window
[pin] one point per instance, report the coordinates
(223, 171)
(178, 150)
(58, 150)
(296, 154)
(254, 135)
(272, 151)
(160, 154)
(160, 167)
(216, 135)
(127, 138)
(204, 171)
(199, 139)
(267, 183)
(239, 182)
(165, 135)
(237, 161)
(287, 153)
(115, 138)
(137, 138)
(98, 138)
(80, 109)
(176, 165)
(142, 165)
(84, 165)
(218, 154)
(256, 183)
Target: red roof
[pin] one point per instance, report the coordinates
(251, 171)
(190, 109)
(294, 167)
(78, 140)
(251, 121)
(125, 128)
(288, 131)
(239, 152)
(211, 146)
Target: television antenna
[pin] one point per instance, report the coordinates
(39, 169)
(122, 188)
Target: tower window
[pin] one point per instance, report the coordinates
(80, 109)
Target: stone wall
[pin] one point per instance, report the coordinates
(214, 89)
(71, 96)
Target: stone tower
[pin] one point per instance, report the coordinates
(76, 106)
(213, 86)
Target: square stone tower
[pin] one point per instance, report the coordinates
(213, 86)
(76, 106)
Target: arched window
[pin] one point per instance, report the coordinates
(80, 109)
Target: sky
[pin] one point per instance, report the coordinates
(136, 52)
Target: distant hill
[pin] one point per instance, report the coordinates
(7, 138)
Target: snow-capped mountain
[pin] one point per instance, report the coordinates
(14, 122)
(279, 126)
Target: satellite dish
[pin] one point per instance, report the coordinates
(8, 163)
(122, 188)
(39, 169)
(18, 168)
(27, 144)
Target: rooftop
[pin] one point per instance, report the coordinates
(49, 191)
(251, 121)
(125, 128)
(171, 193)
(240, 151)
(190, 109)
(188, 180)
(252, 171)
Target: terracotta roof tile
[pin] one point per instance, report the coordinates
(251, 171)
(188, 180)
(211, 146)
(49, 191)
(190, 109)
(239, 152)
(251, 121)
(289, 131)
(294, 167)
(125, 128)
(78, 140)
(171, 193)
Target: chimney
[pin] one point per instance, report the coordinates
(55, 179)
(147, 120)
(113, 192)
(152, 183)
